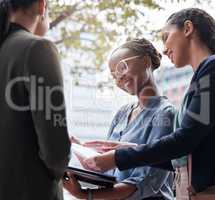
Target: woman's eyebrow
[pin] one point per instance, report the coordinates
(163, 36)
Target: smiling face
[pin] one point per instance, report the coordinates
(133, 77)
(176, 44)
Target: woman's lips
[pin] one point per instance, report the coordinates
(171, 57)
(128, 83)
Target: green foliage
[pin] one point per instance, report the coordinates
(95, 25)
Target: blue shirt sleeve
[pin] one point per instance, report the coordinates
(149, 181)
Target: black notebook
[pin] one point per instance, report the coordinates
(91, 177)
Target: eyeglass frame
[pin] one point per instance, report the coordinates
(120, 74)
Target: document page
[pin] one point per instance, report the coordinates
(84, 152)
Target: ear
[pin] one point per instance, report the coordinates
(188, 28)
(42, 7)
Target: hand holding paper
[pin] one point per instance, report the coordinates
(101, 163)
(103, 146)
(75, 140)
(83, 153)
(98, 155)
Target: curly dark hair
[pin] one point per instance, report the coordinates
(203, 23)
(143, 47)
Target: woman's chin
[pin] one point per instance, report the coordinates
(179, 64)
(130, 91)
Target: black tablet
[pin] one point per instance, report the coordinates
(91, 177)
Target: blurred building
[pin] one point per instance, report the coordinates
(173, 82)
(90, 107)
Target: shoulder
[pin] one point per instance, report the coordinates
(164, 115)
(41, 50)
(23, 42)
(41, 44)
(121, 112)
(123, 109)
(28, 40)
(207, 67)
(119, 116)
(165, 107)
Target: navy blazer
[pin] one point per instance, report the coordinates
(196, 134)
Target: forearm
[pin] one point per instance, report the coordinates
(119, 191)
(182, 142)
(147, 155)
(179, 144)
(164, 166)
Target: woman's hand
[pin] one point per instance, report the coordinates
(75, 140)
(101, 163)
(103, 146)
(82, 161)
(73, 187)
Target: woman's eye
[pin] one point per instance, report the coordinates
(164, 37)
(121, 67)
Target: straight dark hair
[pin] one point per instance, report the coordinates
(203, 23)
(6, 6)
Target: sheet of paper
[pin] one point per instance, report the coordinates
(84, 151)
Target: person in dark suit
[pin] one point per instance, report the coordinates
(34, 143)
(189, 39)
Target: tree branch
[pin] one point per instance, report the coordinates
(72, 38)
(65, 14)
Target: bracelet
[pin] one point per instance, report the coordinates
(89, 194)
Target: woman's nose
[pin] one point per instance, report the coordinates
(165, 51)
(120, 77)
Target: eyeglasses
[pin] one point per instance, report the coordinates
(122, 67)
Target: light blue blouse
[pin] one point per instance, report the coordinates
(155, 121)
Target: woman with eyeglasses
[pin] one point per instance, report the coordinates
(189, 39)
(34, 149)
(141, 122)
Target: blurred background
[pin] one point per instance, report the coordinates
(86, 32)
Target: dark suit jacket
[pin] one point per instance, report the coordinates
(196, 134)
(34, 146)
